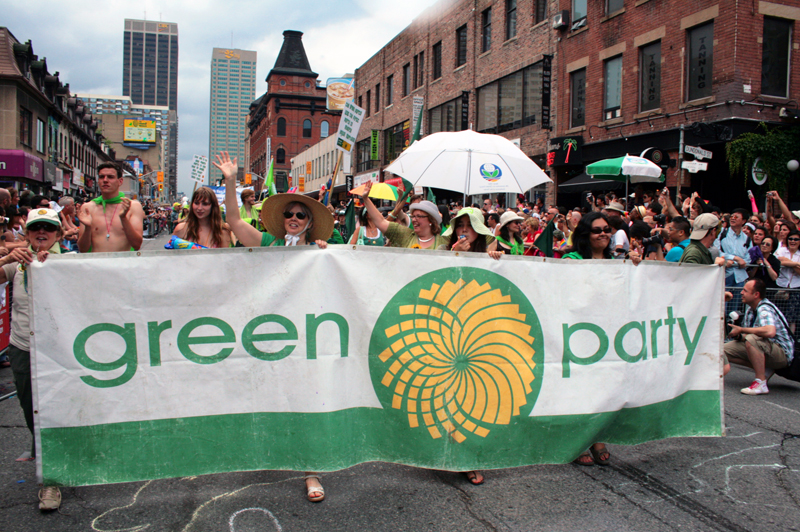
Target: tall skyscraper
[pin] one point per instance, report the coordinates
(233, 87)
(150, 77)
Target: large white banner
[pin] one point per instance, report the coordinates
(361, 350)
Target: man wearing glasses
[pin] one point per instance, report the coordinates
(111, 222)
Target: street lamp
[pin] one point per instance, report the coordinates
(793, 165)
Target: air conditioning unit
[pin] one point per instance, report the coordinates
(561, 20)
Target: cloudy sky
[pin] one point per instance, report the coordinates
(83, 42)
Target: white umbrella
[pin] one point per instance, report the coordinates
(468, 162)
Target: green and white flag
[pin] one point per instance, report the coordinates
(429, 359)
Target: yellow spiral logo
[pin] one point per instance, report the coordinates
(456, 353)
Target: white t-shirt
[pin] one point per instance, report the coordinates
(620, 240)
(788, 278)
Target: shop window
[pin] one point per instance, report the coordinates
(700, 64)
(650, 76)
(577, 82)
(775, 57)
(612, 88)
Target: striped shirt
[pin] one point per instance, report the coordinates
(768, 314)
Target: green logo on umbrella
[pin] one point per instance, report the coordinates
(491, 172)
(457, 352)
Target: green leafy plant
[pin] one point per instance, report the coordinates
(776, 146)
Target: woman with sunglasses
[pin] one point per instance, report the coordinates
(508, 234)
(290, 219)
(769, 265)
(204, 224)
(424, 232)
(789, 276)
(43, 231)
(590, 241)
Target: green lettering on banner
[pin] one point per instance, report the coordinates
(128, 358)
(654, 325)
(691, 345)
(569, 356)
(154, 330)
(249, 337)
(620, 336)
(312, 323)
(185, 341)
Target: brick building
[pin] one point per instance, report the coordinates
(480, 64)
(634, 72)
(291, 116)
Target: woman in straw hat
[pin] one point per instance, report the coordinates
(290, 220)
(509, 234)
(467, 232)
(425, 223)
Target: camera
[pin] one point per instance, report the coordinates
(655, 239)
(660, 219)
(734, 318)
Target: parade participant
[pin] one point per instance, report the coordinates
(173, 216)
(249, 211)
(764, 342)
(508, 234)
(204, 224)
(290, 220)
(769, 266)
(590, 241)
(367, 234)
(43, 229)
(425, 223)
(467, 233)
(111, 222)
(531, 234)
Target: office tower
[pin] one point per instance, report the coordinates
(150, 77)
(233, 87)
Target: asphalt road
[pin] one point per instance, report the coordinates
(748, 480)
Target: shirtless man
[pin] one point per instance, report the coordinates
(111, 222)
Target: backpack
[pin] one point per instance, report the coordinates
(792, 371)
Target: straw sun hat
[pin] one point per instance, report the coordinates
(272, 216)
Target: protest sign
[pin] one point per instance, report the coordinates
(452, 362)
(349, 124)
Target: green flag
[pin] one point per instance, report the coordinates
(431, 196)
(350, 218)
(269, 182)
(545, 240)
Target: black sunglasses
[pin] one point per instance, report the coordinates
(793, 239)
(597, 230)
(50, 228)
(300, 215)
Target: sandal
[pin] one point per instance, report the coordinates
(314, 489)
(597, 453)
(584, 459)
(475, 477)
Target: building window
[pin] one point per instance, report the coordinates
(416, 72)
(25, 126)
(324, 129)
(421, 77)
(578, 14)
(612, 6)
(511, 19)
(539, 11)
(700, 64)
(512, 101)
(40, 144)
(775, 57)
(461, 45)
(307, 128)
(280, 156)
(378, 98)
(389, 90)
(486, 30)
(406, 79)
(650, 76)
(577, 83)
(281, 127)
(397, 138)
(446, 117)
(368, 108)
(612, 88)
(437, 60)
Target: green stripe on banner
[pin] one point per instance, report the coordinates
(125, 452)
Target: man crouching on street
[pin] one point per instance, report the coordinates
(43, 231)
(764, 343)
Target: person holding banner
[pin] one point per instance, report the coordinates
(43, 229)
(290, 219)
(468, 233)
(508, 234)
(367, 234)
(204, 224)
(111, 222)
(424, 232)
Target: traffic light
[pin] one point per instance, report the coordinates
(160, 187)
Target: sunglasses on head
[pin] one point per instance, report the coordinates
(50, 228)
(299, 215)
(597, 230)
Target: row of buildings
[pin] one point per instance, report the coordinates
(571, 81)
